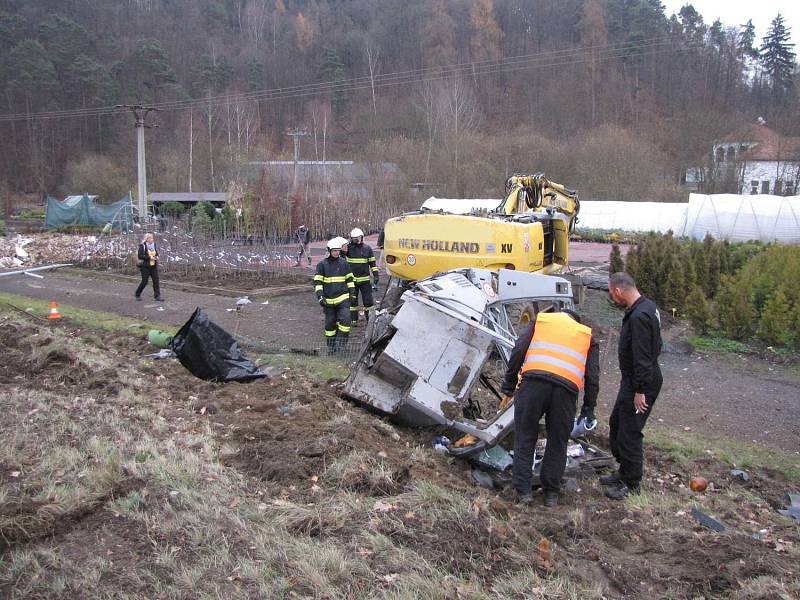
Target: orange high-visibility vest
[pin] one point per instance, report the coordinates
(559, 346)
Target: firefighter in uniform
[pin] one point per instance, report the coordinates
(557, 357)
(362, 262)
(334, 287)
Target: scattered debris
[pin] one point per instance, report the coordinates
(740, 474)
(482, 478)
(161, 354)
(32, 270)
(495, 457)
(440, 444)
(708, 521)
(158, 338)
(792, 507)
(544, 555)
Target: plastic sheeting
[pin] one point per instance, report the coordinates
(460, 206)
(725, 216)
(211, 353)
(632, 216)
(742, 218)
(87, 212)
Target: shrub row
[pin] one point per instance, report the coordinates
(740, 290)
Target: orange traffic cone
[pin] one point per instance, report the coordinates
(54, 314)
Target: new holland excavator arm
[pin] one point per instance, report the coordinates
(526, 193)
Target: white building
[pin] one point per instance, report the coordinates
(756, 160)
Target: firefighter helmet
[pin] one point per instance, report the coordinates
(356, 233)
(336, 243)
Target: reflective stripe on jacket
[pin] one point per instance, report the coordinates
(333, 281)
(559, 347)
(361, 260)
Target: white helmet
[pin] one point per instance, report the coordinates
(356, 233)
(336, 243)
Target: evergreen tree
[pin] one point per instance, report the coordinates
(64, 39)
(201, 222)
(777, 58)
(31, 71)
(12, 29)
(698, 310)
(747, 40)
(615, 260)
(734, 313)
(713, 266)
(212, 73)
(674, 287)
(716, 35)
(632, 262)
(775, 325)
(148, 67)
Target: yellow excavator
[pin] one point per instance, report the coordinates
(528, 231)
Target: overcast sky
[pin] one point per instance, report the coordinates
(737, 12)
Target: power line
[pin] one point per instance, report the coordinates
(476, 69)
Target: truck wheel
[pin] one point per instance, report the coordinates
(521, 315)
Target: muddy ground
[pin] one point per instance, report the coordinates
(328, 472)
(751, 398)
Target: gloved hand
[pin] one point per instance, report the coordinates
(375, 279)
(321, 301)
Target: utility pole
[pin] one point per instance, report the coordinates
(140, 115)
(296, 134)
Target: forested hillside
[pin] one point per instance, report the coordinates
(613, 97)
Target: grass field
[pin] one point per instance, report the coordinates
(122, 477)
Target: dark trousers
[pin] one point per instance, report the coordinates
(303, 250)
(147, 273)
(365, 290)
(625, 430)
(337, 325)
(537, 397)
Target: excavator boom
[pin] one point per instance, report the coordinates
(527, 193)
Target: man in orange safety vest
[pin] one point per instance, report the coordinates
(557, 357)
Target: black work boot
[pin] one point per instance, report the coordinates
(525, 498)
(331, 344)
(621, 491)
(611, 479)
(550, 498)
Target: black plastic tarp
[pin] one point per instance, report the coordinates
(211, 353)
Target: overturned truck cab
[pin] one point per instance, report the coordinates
(437, 358)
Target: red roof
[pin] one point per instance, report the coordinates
(769, 144)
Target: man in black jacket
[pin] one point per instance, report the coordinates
(333, 285)
(557, 356)
(639, 347)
